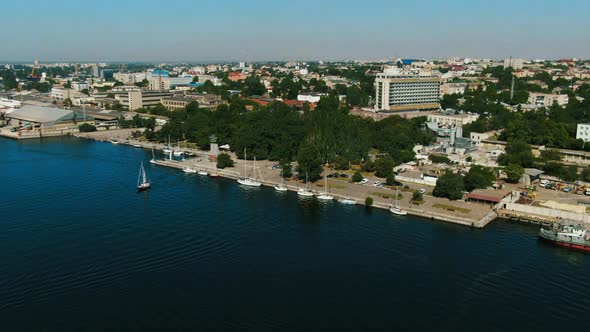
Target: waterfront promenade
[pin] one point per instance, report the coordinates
(458, 212)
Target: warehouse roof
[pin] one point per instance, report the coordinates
(41, 114)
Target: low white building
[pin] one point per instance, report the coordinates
(452, 120)
(79, 86)
(310, 97)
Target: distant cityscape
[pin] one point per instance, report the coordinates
(486, 125)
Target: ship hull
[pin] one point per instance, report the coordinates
(574, 246)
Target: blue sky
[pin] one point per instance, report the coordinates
(207, 30)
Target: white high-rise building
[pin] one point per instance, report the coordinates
(407, 89)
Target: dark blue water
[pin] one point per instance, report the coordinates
(80, 250)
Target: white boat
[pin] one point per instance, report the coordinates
(142, 181)
(325, 196)
(347, 201)
(114, 141)
(396, 209)
(178, 152)
(214, 175)
(305, 192)
(281, 186)
(189, 170)
(246, 180)
(203, 173)
(153, 160)
(137, 145)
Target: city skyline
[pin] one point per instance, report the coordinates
(262, 30)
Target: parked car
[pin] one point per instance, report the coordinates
(397, 184)
(277, 166)
(343, 175)
(567, 189)
(377, 183)
(422, 191)
(364, 181)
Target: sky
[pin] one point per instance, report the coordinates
(252, 30)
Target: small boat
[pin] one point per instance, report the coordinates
(325, 196)
(305, 192)
(575, 237)
(153, 160)
(137, 145)
(246, 180)
(396, 209)
(205, 173)
(281, 186)
(347, 201)
(178, 152)
(114, 141)
(167, 148)
(189, 170)
(142, 181)
(214, 175)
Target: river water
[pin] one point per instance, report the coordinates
(80, 250)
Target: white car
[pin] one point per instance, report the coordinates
(377, 183)
(364, 181)
(422, 191)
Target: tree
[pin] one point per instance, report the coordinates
(86, 128)
(68, 102)
(518, 153)
(357, 177)
(224, 160)
(384, 166)
(369, 201)
(195, 79)
(478, 177)
(286, 170)
(514, 173)
(450, 185)
(309, 164)
(417, 196)
(550, 155)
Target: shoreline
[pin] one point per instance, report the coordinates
(234, 174)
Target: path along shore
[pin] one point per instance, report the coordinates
(458, 212)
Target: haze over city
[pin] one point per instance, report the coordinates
(294, 165)
(285, 30)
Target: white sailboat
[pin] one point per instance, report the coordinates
(396, 209)
(167, 148)
(189, 170)
(246, 180)
(178, 152)
(347, 201)
(281, 186)
(305, 192)
(153, 160)
(325, 196)
(142, 181)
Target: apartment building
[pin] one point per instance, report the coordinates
(583, 132)
(547, 99)
(137, 98)
(407, 89)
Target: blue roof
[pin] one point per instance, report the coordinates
(158, 72)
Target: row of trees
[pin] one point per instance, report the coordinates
(328, 134)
